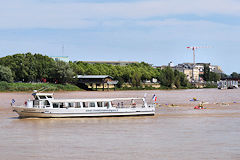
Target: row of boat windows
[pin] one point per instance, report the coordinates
(36, 102)
(81, 104)
(42, 97)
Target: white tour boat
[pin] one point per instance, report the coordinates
(45, 106)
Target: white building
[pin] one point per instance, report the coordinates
(61, 58)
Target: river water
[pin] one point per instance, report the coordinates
(173, 133)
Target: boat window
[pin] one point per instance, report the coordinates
(100, 104)
(49, 96)
(106, 104)
(92, 104)
(77, 105)
(61, 105)
(85, 104)
(46, 103)
(70, 104)
(36, 102)
(42, 97)
(55, 105)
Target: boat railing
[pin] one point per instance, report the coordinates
(128, 103)
(129, 106)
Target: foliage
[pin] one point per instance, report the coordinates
(6, 74)
(4, 86)
(206, 73)
(28, 67)
(133, 73)
(37, 68)
(62, 72)
(214, 76)
(223, 76)
(235, 75)
(210, 76)
(210, 85)
(167, 77)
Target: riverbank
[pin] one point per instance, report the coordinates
(16, 87)
(25, 87)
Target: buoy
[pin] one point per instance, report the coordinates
(194, 99)
(196, 107)
(200, 106)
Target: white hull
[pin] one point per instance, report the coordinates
(45, 106)
(24, 112)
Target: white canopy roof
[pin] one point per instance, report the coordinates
(43, 94)
(95, 100)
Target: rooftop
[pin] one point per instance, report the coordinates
(94, 76)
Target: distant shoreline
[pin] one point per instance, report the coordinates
(48, 87)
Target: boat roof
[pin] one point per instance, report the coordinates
(42, 94)
(94, 76)
(95, 100)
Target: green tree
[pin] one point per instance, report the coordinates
(6, 74)
(168, 78)
(183, 80)
(28, 67)
(120, 82)
(206, 74)
(214, 77)
(136, 79)
(62, 72)
(177, 79)
(223, 76)
(133, 73)
(235, 75)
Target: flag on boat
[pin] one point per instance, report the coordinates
(154, 98)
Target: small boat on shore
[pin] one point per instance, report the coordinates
(45, 106)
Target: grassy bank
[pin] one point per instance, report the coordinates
(210, 85)
(10, 87)
(6, 87)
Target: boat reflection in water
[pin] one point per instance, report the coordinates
(45, 106)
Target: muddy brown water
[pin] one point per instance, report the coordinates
(177, 131)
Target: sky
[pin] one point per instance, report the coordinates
(153, 31)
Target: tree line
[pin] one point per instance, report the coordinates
(38, 68)
(34, 68)
(210, 76)
(134, 74)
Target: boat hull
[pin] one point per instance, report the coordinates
(24, 112)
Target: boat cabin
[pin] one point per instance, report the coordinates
(41, 100)
(46, 100)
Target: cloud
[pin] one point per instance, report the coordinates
(36, 14)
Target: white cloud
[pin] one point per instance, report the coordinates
(30, 14)
(183, 23)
